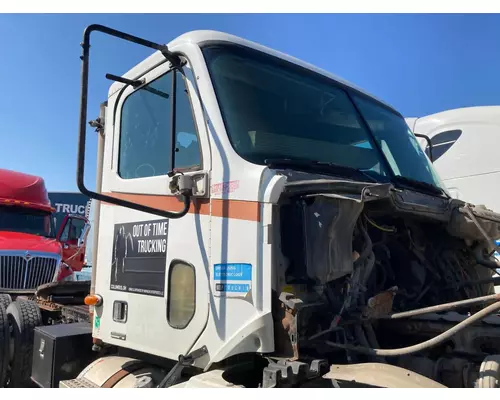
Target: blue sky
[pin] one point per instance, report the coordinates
(420, 64)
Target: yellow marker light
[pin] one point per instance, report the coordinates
(93, 300)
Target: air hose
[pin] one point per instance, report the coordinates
(444, 307)
(424, 345)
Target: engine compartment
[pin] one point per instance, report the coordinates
(348, 261)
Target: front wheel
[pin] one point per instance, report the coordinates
(24, 316)
(4, 345)
(5, 299)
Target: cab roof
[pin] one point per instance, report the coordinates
(199, 37)
(23, 190)
(483, 114)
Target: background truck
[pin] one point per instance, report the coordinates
(260, 222)
(32, 253)
(464, 151)
(74, 203)
(465, 156)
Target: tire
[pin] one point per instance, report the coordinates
(489, 373)
(4, 346)
(23, 317)
(5, 300)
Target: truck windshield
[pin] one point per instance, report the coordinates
(25, 220)
(275, 110)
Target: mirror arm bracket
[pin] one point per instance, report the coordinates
(174, 59)
(429, 144)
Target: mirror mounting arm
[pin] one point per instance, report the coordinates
(173, 121)
(429, 144)
(133, 82)
(175, 60)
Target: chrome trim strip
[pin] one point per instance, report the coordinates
(32, 253)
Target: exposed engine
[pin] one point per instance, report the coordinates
(356, 271)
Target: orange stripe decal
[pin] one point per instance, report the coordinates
(234, 209)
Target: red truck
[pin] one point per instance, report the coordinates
(32, 253)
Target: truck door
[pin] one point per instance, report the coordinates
(152, 271)
(73, 229)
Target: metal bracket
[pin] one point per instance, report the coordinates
(290, 373)
(376, 192)
(291, 305)
(290, 301)
(429, 144)
(184, 361)
(470, 212)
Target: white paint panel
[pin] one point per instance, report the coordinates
(147, 328)
(240, 324)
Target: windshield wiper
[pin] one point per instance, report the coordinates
(416, 184)
(318, 166)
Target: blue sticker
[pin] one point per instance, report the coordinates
(232, 287)
(233, 272)
(232, 279)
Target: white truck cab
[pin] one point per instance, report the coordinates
(205, 279)
(464, 151)
(258, 220)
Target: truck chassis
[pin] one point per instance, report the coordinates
(22, 316)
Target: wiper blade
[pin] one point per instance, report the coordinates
(318, 166)
(345, 169)
(416, 184)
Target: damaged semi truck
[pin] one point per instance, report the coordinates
(262, 223)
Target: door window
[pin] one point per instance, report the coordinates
(146, 130)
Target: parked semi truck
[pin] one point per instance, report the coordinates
(32, 253)
(463, 146)
(464, 152)
(260, 222)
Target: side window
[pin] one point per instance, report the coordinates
(65, 232)
(181, 294)
(187, 147)
(442, 142)
(77, 226)
(145, 137)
